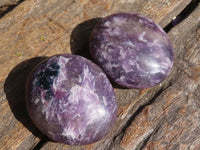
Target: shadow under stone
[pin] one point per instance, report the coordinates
(80, 38)
(15, 89)
(79, 42)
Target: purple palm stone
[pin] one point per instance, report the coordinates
(71, 100)
(132, 50)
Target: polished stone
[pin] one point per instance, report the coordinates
(71, 100)
(132, 50)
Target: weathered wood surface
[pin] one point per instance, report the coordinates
(163, 117)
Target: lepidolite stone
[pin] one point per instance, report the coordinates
(132, 50)
(71, 100)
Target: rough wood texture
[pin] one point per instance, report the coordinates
(163, 117)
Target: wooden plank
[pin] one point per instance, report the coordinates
(43, 28)
(172, 121)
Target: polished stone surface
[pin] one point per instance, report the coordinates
(132, 50)
(70, 99)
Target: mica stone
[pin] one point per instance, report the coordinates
(71, 100)
(132, 50)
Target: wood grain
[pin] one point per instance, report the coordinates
(47, 27)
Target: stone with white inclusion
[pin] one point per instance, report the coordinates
(71, 100)
(132, 50)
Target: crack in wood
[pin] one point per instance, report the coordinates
(8, 8)
(137, 112)
(40, 144)
(183, 15)
(144, 143)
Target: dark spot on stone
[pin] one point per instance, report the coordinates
(55, 66)
(48, 95)
(45, 77)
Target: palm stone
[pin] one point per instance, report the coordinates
(132, 50)
(71, 100)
